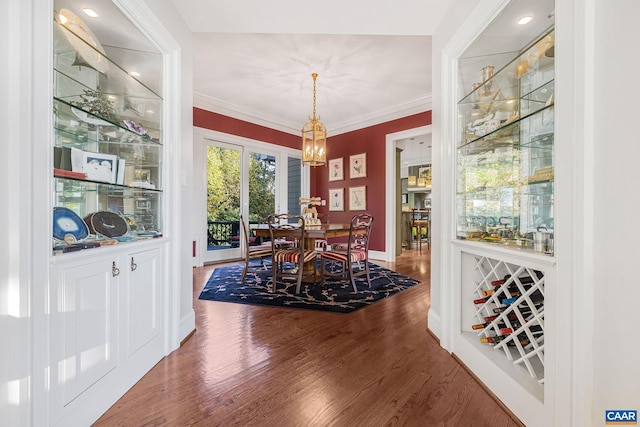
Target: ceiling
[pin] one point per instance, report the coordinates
(254, 61)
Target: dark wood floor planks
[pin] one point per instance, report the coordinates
(270, 366)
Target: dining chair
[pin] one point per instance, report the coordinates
(260, 252)
(289, 263)
(322, 244)
(354, 252)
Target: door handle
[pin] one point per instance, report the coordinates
(115, 271)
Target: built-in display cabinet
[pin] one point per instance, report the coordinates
(107, 282)
(108, 146)
(503, 252)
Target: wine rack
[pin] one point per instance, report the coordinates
(509, 304)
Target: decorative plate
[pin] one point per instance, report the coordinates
(84, 42)
(107, 223)
(68, 226)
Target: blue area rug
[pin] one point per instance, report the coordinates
(225, 285)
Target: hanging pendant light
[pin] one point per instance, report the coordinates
(314, 137)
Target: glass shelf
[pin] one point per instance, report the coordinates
(81, 126)
(132, 189)
(505, 163)
(104, 114)
(115, 93)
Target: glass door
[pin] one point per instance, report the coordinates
(224, 184)
(252, 180)
(262, 187)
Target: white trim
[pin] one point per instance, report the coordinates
(434, 324)
(390, 186)
(444, 174)
(203, 137)
(416, 106)
(141, 15)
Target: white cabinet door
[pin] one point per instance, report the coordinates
(85, 326)
(142, 303)
(107, 330)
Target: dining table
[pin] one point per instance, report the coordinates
(312, 233)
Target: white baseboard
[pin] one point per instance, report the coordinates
(187, 325)
(381, 256)
(434, 324)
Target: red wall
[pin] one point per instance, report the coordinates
(370, 140)
(214, 121)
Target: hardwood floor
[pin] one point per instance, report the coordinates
(270, 366)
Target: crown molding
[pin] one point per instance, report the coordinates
(416, 106)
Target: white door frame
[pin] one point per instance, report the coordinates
(390, 186)
(201, 139)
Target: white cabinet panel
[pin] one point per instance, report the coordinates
(143, 299)
(87, 309)
(107, 328)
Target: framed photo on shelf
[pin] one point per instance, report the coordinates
(358, 166)
(358, 198)
(336, 169)
(142, 175)
(100, 167)
(336, 199)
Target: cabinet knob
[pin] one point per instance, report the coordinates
(133, 265)
(115, 271)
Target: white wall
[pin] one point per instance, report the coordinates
(15, 177)
(616, 209)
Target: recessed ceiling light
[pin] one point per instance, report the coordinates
(134, 73)
(90, 12)
(525, 20)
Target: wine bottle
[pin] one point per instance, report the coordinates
(514, 324)
(497, 339)
(525, 311)
(501, 325)
(525, 279)
(511, 288)
(535, 297)
(522, 337)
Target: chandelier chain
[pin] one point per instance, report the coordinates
(314, 75)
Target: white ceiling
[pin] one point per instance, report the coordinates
(254, 60)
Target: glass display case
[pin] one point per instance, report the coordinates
(108, 151)
(505, 166)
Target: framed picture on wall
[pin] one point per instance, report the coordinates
(358, 166)
(336, 199)
(336, 170)
(358, 198)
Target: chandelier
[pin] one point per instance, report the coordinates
(314, 137)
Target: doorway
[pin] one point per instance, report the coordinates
(239, 177)
(394, 203)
